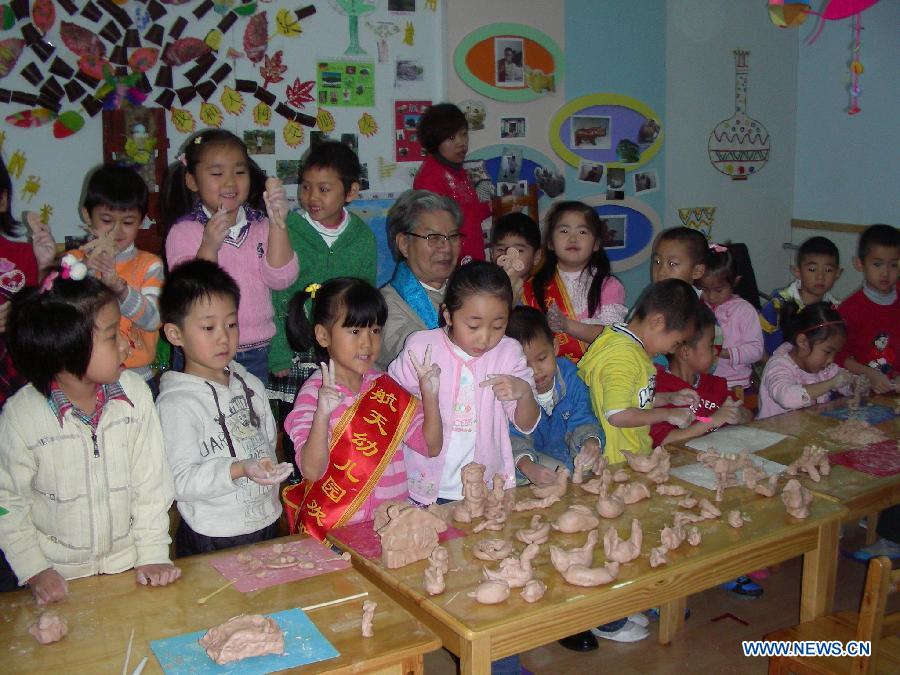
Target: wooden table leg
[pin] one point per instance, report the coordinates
(413, 665)
(671, 619)
(871, 525)
(475, 658)
(819, 572)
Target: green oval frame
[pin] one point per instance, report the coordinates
(496, 30)
(620, 100)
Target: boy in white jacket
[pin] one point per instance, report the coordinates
(219, 431)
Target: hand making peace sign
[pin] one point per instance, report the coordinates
(329, 396)
(429, 373)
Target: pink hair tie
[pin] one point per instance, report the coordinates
(47, 283)
(718, 248)
(181, 158)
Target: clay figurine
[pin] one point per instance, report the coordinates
(660, 473)
(576, 518)
(434, 580)
(796, 499)
(752, 475)
(671, 490)
(442, 511)
(621, 476)
(693, 536)
(494, 510)
(460, 513)
(381, 514)
(594, 485)
(623, 550)
(672, 537)
(658, 556)
(492, 549)
(243, 636)
(558, 488)
(532, 504)
(491, 592)
(768, 488)
(537, 533)
(644, 463)
(440, 558)
(579, 575)
(534, 590)
(813, 461)
(49, 627)
(475, 494)
(368, 616)
(687, 502)
(409, 535)
(562, 559)
(681, 518)
(707, 510)
(515, 571)
(491, 524)
(735, 519)
(632, 493)
(609, 506)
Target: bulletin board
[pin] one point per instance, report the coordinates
(278, 74)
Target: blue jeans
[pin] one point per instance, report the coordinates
(256, 361)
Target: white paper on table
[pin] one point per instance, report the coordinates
(699, 475)
(732, 440)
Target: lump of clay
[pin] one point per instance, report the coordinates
(409, 535)
(609, 507)
(534, 590)
(658, 556)
(537, 533)
(683, 517)
(796, 499)
(532, 504)
(626, 550)
(491, 592)
(644, 463)
(576, 518)
(707, 510)
(594, 485)
(492, 549)
(687, 502)
(621, 476)
(49, 627)
(735, 519)
(368, 616)
(813, 461)
(491, 524)
(671, 537)
(671, 490)
(434, 580)
(563, 559)
(631, 493)
(579, 575)
(558, 488)
(440, 557)
(693, 536)
(768, 488)
(243, 636)
(858, 432)
(515, 571)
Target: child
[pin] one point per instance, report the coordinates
(679, 253)
(517, 231)
(689, 368)
(212, 187)
(485, 384)
(620, 375)
(350, 420)
(115, 203)
(82, 468)
(802, 371)
(742, 342)
(575, 286)
(872, 314)
(219, 431)
(817, 270)
(568, 425)
(332, 243)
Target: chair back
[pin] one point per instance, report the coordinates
(881, 581)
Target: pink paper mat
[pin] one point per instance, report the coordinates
(251, 567)
(362, 538)
(875, 459)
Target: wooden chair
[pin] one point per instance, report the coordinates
(869, 624)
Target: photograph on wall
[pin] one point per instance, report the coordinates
(406, 121)
(510, 165)
(346, 83)
(615, 184)
(591, 131)
(614, 231)
(512, 127)
(645, 181)
(260, 141)
(517, 189)
(288, 171)
(409, 71)
(590, 172)
(509, 53)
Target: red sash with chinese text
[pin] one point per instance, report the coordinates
(363, 443)
(555, 293)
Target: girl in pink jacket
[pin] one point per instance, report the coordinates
(485, 384)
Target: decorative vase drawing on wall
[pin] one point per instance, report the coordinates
(739, 146)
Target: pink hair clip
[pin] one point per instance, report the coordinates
(72, 268)
(718, 248)
(47, 283)
(181, 158)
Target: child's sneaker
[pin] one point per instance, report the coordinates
(627, 632)
(653, 613)
(881, 547)
(760, 575)
(640, 619)
(744, 588)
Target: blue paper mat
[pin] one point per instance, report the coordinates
(873, 414)
(303, 643)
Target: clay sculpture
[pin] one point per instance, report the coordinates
(672, 537)
(537, 533)
(594, 485)
(557, 488)
(735, 519)
(693, 536)
(609, 506)
(813, 461)
(532, 504)
(576, 518)
(858, 432)
(707, 510)
(490, 524)
(492, 549)
(49, 627)
(683, 517)
(440, 558)
(474, 492)
(796, 499)
(494, 510)
(579, 575)
(687, 502)
(752, 475)
(409, 535)
(491, 592)
(623, 550)
(434, 580)
(658, 556)
(621, 476)
(631, 493)
(671, 490)
(241, 637)
(768, 488)
(368, 615)
(515, 571)
(562, 559)
(644, 463)
(582, 464)
(534, 590)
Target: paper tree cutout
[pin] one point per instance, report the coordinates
(354, 9)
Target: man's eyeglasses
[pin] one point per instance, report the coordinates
(434, 239)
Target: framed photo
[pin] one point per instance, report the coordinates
(645, 181)
(590, 172)
(615, 231)
(260, 141)
(512, 127)
(509, 55)
(510, 165)
(592, 132)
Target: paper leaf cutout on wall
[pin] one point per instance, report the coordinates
(232, 101)
(256, 38)
(293, 134)
(183, 120)
(92, 65)
(67, 124)
(80, 40)
(367, 125)
(262, 114)
(210, 114)
(10, 50)
(43, 15)
(272, 69)
(7, 17)
(214, 39)
(298, 94)
(143, 59)
(186, 49)
(246, 9)
(325, 121)
(27, 119)
(287, 23)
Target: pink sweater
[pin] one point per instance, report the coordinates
(392, 484)
(247, 264)
(492, 445)
(741, 337)
(783, 381)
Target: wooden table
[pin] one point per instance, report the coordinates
(101, 612)
(479, 634)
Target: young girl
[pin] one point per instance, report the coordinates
(742, 341)
(350, 420)
(802, 371)
(82, 467)
(212, 189)
(575, 286)
(485, 384)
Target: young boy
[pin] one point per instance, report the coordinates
(679, 253)
(689, 367)
(115, 203)
(872, 314)
(519, 232)
(218, 428)
(818, 268)
(568, 425)
(621, 377)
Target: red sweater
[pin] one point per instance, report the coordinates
(443, 179)
(873, 333)
(16, 260)
(713, 391)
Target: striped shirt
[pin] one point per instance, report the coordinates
(143, 272)
(392, 484)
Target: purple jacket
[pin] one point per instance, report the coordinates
(783, 381)
(742, 337)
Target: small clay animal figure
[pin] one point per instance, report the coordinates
(562, 559)
(752, 475)
(492, 549)
(537, 533)
(658, 556)
(440, 558)
(626, 550)
(735, 519)
(557, 488)
(796, 499)
(609, 506)
(687, 502)
(632, 493)
(594, 485)
(579, 575)
(660, 473)
(534, 590)
(768, 488)
(368, 616)
(434, 580)
(621, 476)
(671, 490)
(50, 627)
(813, 461)
(707, 510)
(515, 571)
(693, 536)
(532, 504)
(645, 463)
(672, 537)
(490, 524)
(683, 517)
(576, 518)
(491, 592)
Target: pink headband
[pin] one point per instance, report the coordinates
(718, 248)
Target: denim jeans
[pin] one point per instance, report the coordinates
(256, 361)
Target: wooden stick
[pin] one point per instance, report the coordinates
(140, 667)
(205, 598)
(335, 602)
(128, 653)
